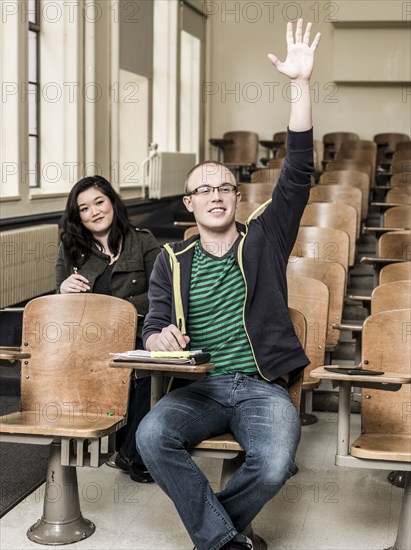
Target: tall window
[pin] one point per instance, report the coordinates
(33, 7)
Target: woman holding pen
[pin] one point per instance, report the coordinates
(101, 252)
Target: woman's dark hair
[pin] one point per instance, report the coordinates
(75, 238)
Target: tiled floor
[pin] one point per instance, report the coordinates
(322, 507)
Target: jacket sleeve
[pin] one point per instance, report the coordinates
(61, 268)
(150, 250)
(160, 297)
(282, 217)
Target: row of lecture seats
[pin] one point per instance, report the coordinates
(318, 276)
(386, 153)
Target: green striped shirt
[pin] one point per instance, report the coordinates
(215, 312)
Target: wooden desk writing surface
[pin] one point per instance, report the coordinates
(386, 378)
(157, 371)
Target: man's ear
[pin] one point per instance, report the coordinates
(237, 199)
(187, 203)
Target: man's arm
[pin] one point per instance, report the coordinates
(298, 66)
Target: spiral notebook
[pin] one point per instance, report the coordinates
(193, 357)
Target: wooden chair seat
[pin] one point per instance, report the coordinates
(48, 423)
(376, 446)
(224, 442)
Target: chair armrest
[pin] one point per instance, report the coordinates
(352, 328)
(12, 353)
(359, 298)
(220, 143)
(384, 205)
(380, 230)
(381, 261)
(185, 224)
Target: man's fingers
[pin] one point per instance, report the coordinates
(316, 41)
(171, 339)
(299, 31)
(289, 35)
(306, 38)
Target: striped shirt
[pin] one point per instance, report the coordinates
(215, 312)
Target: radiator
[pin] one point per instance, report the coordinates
(28, 257)
(167, 173)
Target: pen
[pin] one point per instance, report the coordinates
(75, 270)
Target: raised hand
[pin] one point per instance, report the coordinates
(300, 55)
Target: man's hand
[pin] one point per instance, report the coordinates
(169, 339)
(300, 55)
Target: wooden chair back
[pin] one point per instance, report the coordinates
(245, 209)
(333, 275)
(256, 192)
(394, 295)
(280, 137)
(403, 179)
(265, 175)
(399, 196)
(351, 164)
(398, 216)
(386, 346)
(360, 180)
(311, 297)
(193, 230)
(395, 272)
(339, 216)
(318, 155)
(395, 245)
(243, 150)
(403, 146)
(324, 245)
(70, 338)
(364, 154)
(276, 164)
(332, 142)
(390, 139)
(339, 194)
(402, 155)
(399, 166)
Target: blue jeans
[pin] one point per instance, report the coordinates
(263, 420)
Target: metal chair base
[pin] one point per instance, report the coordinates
(307, 419)
(62, 521)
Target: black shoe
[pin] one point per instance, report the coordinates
(137, 473)
(239, 542)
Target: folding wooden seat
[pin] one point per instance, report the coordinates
(338, 216)
(265, 175)
(256, 192)
(403, 179)
(332, 142)
(351, 164)
(395, 272)
(339, 194)
(385, 440)
(70, 397)
(360, 180)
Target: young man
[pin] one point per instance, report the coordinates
(224, 291)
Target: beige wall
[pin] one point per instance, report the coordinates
(245, 92)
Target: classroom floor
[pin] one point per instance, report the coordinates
(322, 507)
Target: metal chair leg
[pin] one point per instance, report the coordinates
(61, 522)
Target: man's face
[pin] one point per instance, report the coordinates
(215, 209)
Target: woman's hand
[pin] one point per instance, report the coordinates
(74, 283)
(300, 55)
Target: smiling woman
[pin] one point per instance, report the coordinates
(101, 252)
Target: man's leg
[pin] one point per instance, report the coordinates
(180, 420)
(267, 425)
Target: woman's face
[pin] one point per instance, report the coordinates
(96, 212)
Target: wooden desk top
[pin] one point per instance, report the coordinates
(387, 378)
(164, 367)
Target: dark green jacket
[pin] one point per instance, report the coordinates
(131, 272)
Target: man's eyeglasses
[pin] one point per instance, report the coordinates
(224, 189)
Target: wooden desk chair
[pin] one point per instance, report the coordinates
(276, 164)
(332, 142)
(338, 216)
(324, 245)
(385, 440)
(393, 247)
(402, 179)
(318, 155)
(241, 153)
(387, 143)
(70, 398)
(352, 178)
(402, 155)
(339, 194)
(225, 447)
(311, 297)
(395, 272)
(265, 175)
(364, 154)
(245, 209)
(193, 230)
(351, 164)
(403, 146)
(256, 192)
(399, 166)
(398, 196)
(396, 218)
(333, 275)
